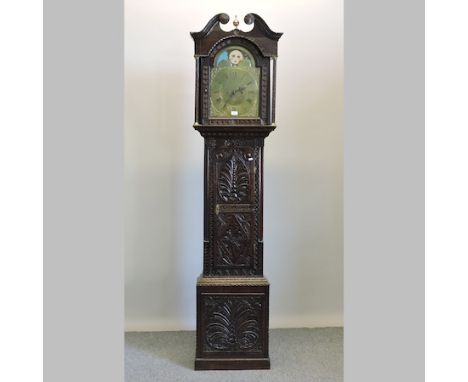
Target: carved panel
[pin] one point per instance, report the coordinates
(233, 323)
(233, 244)
(233, 206)
(233, 181)
(234, 170)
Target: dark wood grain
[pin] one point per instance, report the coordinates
(232, 293)
(232, 324)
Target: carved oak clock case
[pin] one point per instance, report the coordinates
(234, 112)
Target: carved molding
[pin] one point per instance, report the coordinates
(222, 18)
(253, 131)
(233, 122)
(261, 34)
(261, 25)
(232, 281)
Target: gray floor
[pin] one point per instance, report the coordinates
(314, 355)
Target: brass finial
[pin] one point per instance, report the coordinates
(235, 22)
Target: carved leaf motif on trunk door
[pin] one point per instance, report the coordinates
(234, 179)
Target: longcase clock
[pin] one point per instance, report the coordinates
(234, 112)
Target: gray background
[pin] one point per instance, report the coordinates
(83, 183)
(384, 191)
(384, 195)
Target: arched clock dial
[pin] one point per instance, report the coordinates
(234, 92)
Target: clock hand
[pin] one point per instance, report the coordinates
(239, 90)
(242, 88)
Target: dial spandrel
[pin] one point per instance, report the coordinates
(234, 84)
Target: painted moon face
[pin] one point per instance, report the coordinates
(235, 57)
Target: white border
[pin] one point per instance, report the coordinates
(21, 191)
(446, 190)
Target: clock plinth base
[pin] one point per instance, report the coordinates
(231, 364)
(232, 323)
